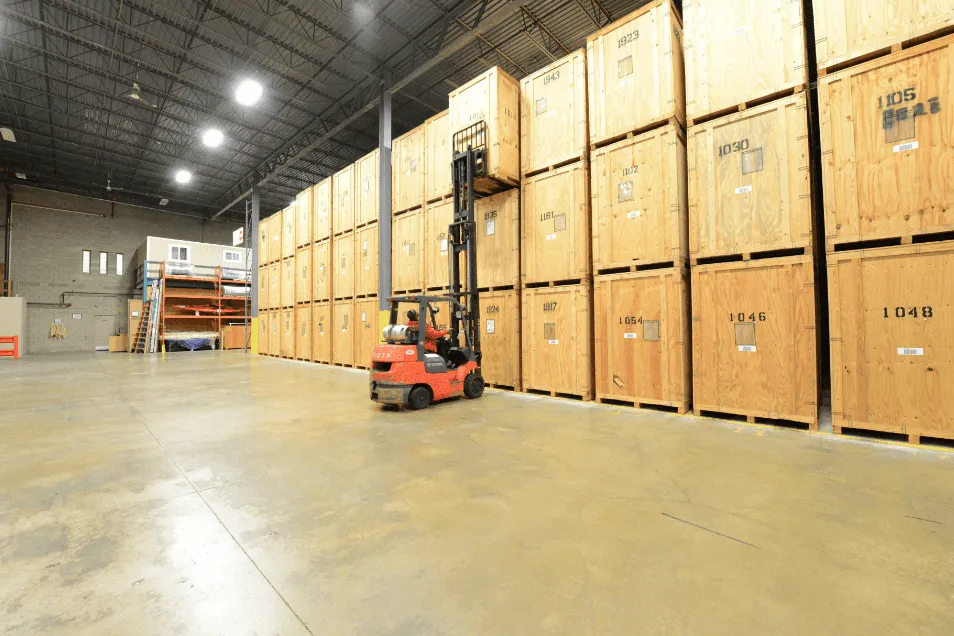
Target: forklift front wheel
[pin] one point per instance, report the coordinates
(419, 398)
(474, 386)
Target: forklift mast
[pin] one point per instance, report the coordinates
(469, 162)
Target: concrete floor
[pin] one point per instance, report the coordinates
(217, 493)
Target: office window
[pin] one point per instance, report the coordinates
(232, 256)
(179, 253)
(87, 255)
(120, 265)
(103, 263)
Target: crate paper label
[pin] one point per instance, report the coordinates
(906, 147)
(364, 316)
(443, 246)
(367, 185)
(743, 189)
(551, 237)
(910, 351)
(554, 342)
(491, 227)
(747, 348)
(491, 326)
(629, 336)
(635, 214)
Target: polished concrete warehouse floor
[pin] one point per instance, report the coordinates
(218, 493)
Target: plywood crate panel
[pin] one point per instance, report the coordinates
(437, 157)
(493, 97)
(892, 339)
(557, 351)
(407, 240)
(287, 283)
(366, 174)
(754, 339)
(321, 272)
(275, 333)
(274, 285)
(321, 332)
(303, 318)
(740, 52)
(289, 227)
(322, 195)
(500, 338)
(343, 200)
(367, 335)
(639, 204)
(887, 129)
(304, 209)
(749, 181)
(555, 237)
(342, 259)
(275, 237)
(287, 328)
(134, 315)
(437, 217)
(636, 73)
(304, 286)
(366, 260)
(264, 332)
(553, 123)
(498, 240)
(846, 30)
(262, 289)
(642, 343)
(407, 170)
(342, 332)
(263, 240)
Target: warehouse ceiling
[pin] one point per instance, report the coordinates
(109, 98)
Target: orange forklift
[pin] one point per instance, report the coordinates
(418, 363)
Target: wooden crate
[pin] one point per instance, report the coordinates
(636, 73)
(642, 343)
(639, 205)
(437, 217)
(500, 338)
(366, 184)
(366, 260)
(274, 285)
(437, 157)
(234, 337)
(342, 332)
(849, 31)
(263, 287)
(304, 209)
(553, 123)
(749, 181)
(741, 53)
(287, 284)
(407, 261)
(321, 332)
(892, 340)
(367, 335)
(885, 177)
(275, 237)
(343, 201)
(303, 345)
(275, 334)
(322, 197)
(264, 332)
(557, 353)
(288, 232)
(263, 240)
(304, 287)
(498, 240)
(754, 339)
(287, 329)
(342, 260)
(321, 273)
(492, 97)
(555, 235)
(407, 171)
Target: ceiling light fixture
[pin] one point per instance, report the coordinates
(20, 175)
(183, 176)
(8, 135)
(163, 201)
(363, 11)
(248, 92)
(213, 137)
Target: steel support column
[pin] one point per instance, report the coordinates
(384, 195)
(253, 247)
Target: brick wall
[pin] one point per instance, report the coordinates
(47, 254)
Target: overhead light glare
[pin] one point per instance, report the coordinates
(8, 135)
(213, 137)
(363, 11)
(248, 92)
(183, 176)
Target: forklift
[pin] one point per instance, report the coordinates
(409, 369)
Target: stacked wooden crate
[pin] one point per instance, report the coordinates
(639, 210)
(344, 214)
(751, 235)
(408, 207)
(321, 271)
(304, 269)
(364, 316)
(885, 95)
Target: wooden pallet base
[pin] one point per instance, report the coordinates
(557, 283)
(665, 407)
(344, 364)
(921, 437)
(325, 362)
(757, 417)
(487, 185)
(556, 166)
(596, 145)
(503, 387)
(416, 208)
(406, 292)
(343, 232)
(568, 395)
(365, 224)
(794, 90)
(498, 288)
(362, 366)
(439, 199)
(894, 48)
(852, 244)
(752, 256)
(640, 266)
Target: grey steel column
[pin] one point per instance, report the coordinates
(384, 195)
(253, 226)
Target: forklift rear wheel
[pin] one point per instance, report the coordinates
(474, 385)
(419, 398)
